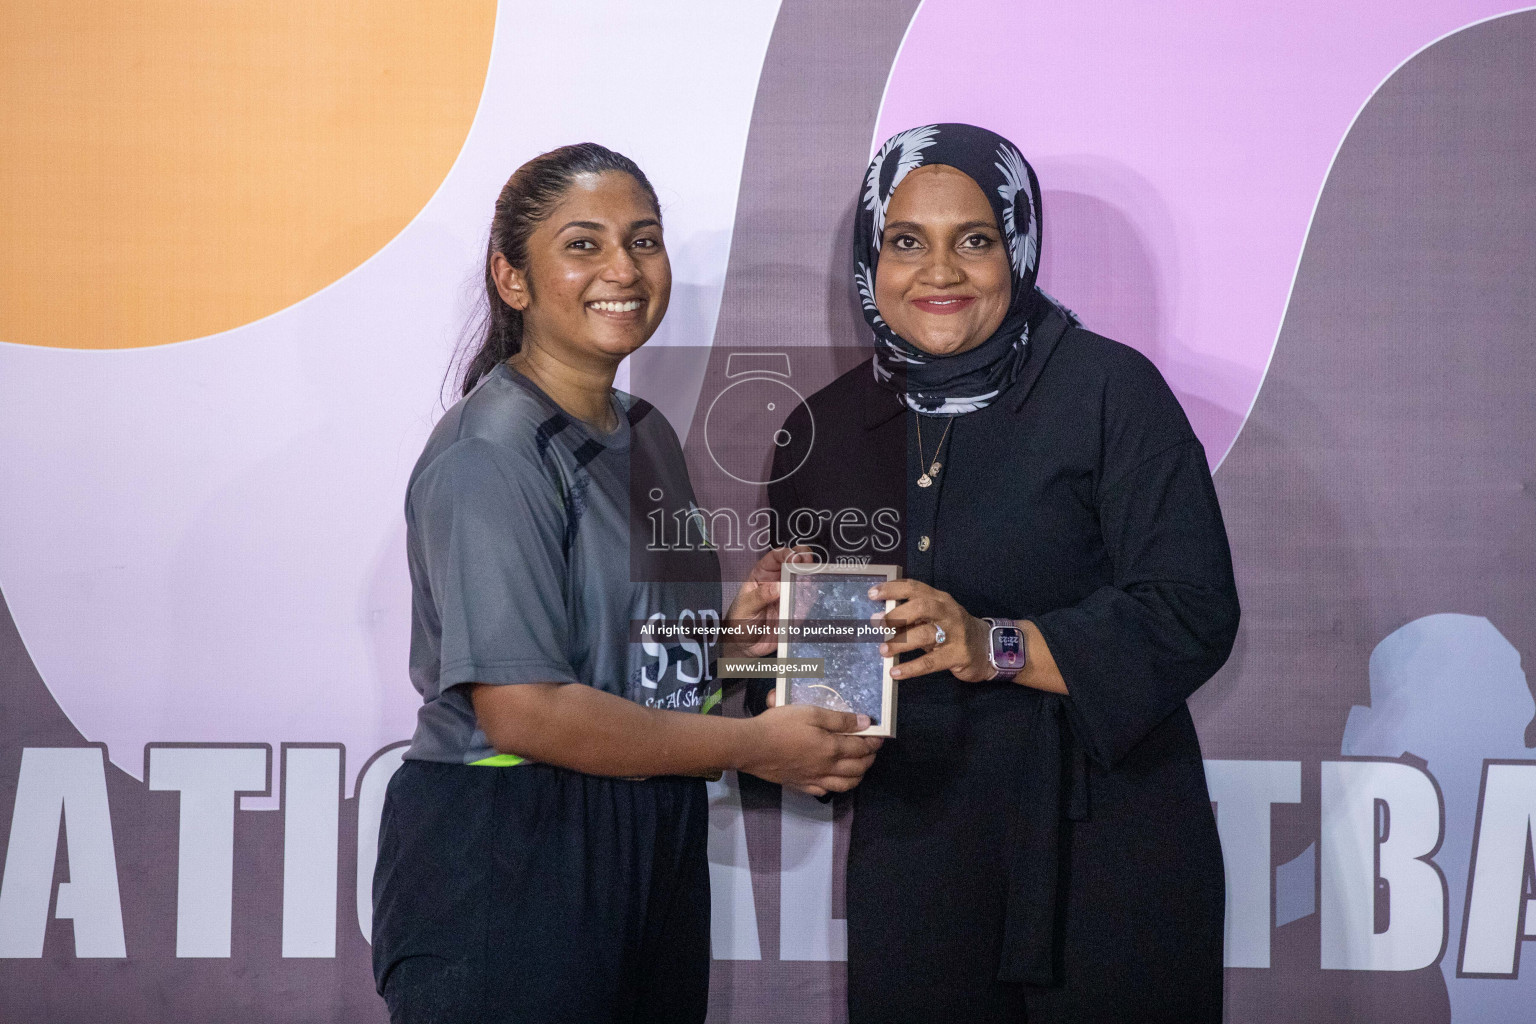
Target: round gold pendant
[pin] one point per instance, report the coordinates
(925, 480)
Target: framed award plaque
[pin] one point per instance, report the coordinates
(829, 648)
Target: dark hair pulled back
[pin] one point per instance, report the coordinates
(526, 200)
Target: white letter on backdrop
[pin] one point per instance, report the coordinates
(1381, 820)
(370, 806)
(209, 780)
(1244, 792)
(733, 914)
(311, 813)
(67, 782)
(807, 929)
(1500, 880)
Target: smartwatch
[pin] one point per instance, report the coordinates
(1005, 649)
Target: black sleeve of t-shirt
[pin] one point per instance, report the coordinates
(1133, 651)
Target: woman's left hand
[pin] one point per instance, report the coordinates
(924, 615)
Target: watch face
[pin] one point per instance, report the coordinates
(1008, 647)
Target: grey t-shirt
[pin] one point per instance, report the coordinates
(529, 561)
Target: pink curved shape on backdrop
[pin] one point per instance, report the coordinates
(1181, 150)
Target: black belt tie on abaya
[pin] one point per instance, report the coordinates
(1053, 787)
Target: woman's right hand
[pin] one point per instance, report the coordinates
(808, 748)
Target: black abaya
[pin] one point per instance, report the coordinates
(1016, 855)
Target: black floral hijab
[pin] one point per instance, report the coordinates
(949, 385)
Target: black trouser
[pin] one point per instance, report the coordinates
(533, 894)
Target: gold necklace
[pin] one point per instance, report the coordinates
(926, 480)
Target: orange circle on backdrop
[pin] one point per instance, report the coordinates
(175, 168)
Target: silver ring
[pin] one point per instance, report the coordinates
(939, 636)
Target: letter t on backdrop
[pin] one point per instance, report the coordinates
(1244, 792)
(209, 779)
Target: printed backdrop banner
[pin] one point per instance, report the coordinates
(243, 241)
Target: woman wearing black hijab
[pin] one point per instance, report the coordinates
(1037, 843)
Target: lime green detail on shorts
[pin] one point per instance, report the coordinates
(498, 761)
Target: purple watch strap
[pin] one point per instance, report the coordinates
(1012, 663)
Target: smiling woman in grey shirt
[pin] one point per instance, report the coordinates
(542, 853)
(508, 458)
